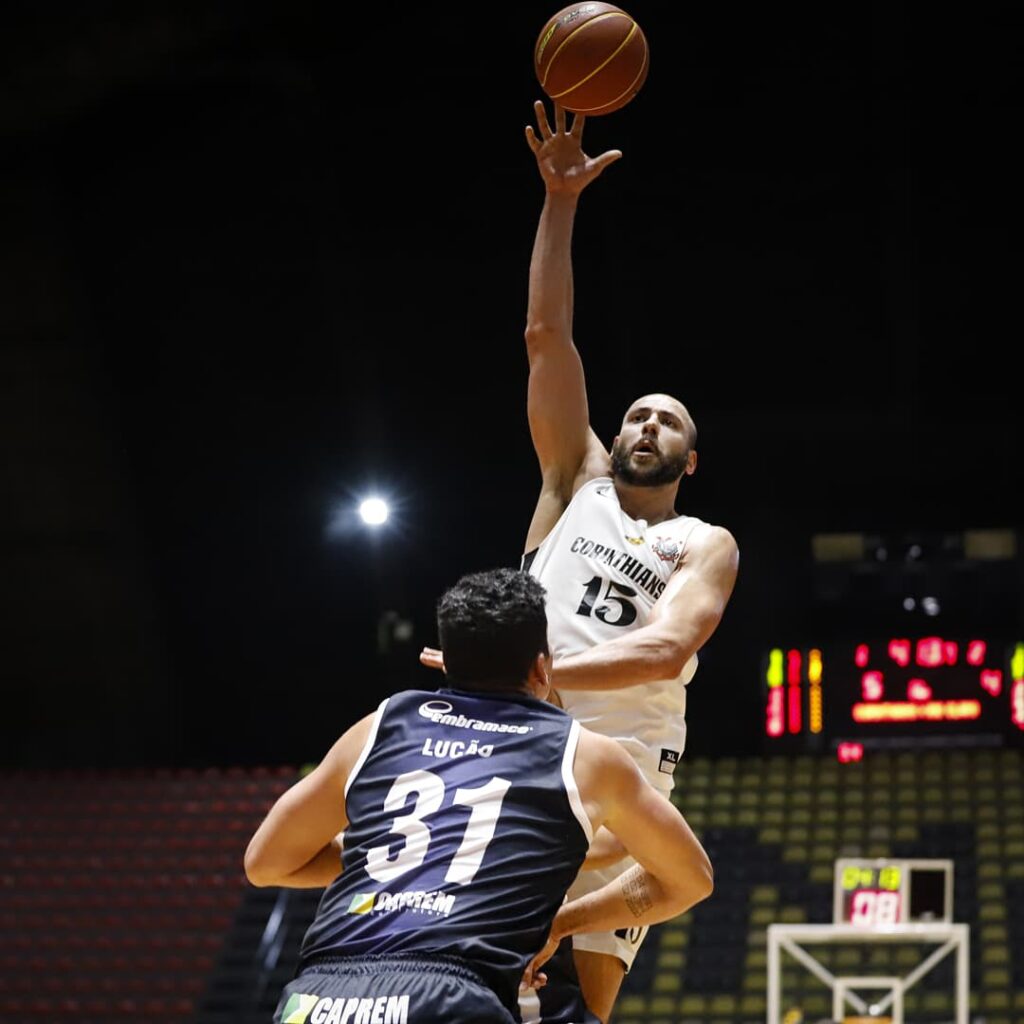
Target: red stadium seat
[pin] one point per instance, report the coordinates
(118, 888)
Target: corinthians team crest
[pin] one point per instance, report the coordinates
(667, 549)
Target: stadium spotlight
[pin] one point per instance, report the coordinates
(373, 511)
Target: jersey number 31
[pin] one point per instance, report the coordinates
(484, 803)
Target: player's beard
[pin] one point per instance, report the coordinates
(660, 471)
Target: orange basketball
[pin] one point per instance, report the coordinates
(591, 58)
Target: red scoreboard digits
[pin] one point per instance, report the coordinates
(894, 686)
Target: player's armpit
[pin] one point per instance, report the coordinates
(605, 850)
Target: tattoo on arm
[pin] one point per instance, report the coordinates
(635, 890)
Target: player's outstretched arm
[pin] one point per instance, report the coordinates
(682, 621)
(298, 844)
(556, 394)
(672, 873)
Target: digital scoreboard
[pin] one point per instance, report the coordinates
(880, 892)
(893, 688)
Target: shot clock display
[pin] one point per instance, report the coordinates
(881, 892)
(892, 688)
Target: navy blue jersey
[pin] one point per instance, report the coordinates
(466, 830)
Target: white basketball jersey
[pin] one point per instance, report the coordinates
(603, 571)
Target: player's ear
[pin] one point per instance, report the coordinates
(691, 463)
(539, 676)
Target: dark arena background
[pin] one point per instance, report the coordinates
(260, 261)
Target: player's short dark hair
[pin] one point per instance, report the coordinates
(492, 625)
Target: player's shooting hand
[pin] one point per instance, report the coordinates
(432, 658)
(563, 165)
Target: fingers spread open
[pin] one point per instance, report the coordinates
(560, 119)
(542, 120)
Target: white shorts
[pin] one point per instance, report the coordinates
(624, 943)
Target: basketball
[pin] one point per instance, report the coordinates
(591, 58)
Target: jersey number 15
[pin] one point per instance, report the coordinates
(623, 615)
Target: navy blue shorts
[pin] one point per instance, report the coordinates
(389, 990)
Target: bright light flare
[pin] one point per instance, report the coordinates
(373, 511)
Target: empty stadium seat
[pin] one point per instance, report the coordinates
(120, 887)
